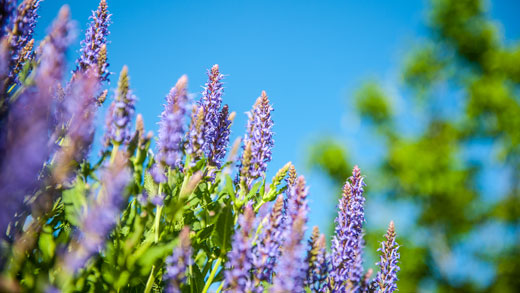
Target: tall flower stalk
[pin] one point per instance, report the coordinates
(93, 48)
(178, 262)
(317, 261)
(237, 277)
(260, 136)
(269, 242)
(386, 279)
(291, 269)
(122, 112)
(347, 243)
(171, 131)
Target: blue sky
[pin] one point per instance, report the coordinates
(309, 56)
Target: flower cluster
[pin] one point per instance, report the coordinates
(140, 220)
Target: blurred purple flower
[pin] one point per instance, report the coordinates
(296, 199)
(347, 243)
(171, 131)
(195, 135)
(386, 279)
(27, 146)
(237, 277)
(122, 111)
(101, 216)
(291, 268)
(177, 263)
(93, 47)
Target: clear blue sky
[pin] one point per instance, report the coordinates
(308, 55)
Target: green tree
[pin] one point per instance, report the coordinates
(464, 82)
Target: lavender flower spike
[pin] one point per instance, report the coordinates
(347, 243)
(211, 101)
(102, 215)
(260, 135)
(177, 263)
(221, 137)
(269, 242)
(237, 277)
(23, 30)
(291, 269)
(297, 198)
(386, 279)
(93, 47)
(123, 111)
(317, 261)
(171, 130)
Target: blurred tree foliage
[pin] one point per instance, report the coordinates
(465, 80)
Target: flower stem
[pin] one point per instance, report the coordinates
(212, 275)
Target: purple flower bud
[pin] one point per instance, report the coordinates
(177, 263)
(171, 130)
(386, 279)
(260, 135)
(211, 101)
(347, 243)
(317, 261)
(291, 268)
(121, 111)
(93, 47)
(269, 242)
(101, 216)
(237, 277)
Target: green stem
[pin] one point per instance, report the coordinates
(115, 148)
(220, 287)
(212, 275)
(149, 283)
(158, 217)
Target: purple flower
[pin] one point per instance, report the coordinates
(317, 261)
(80, 110)
(260, 135)
(22, 31)
(171, 130)
(177, 263)
(347, 243)
(29, 125)
(7, 9)
(221, 137)
(296, 198)
(211, 101)
(122, 111)
(269, 242)
(93, 47)
(101, 216)
(237, 276)
(291, 268)
(195, 135)
(386, 279)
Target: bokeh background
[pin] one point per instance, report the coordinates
(422, 95)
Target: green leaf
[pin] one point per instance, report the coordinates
(75, 202)
(149, 185)
(224, 229)
(46, 243)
